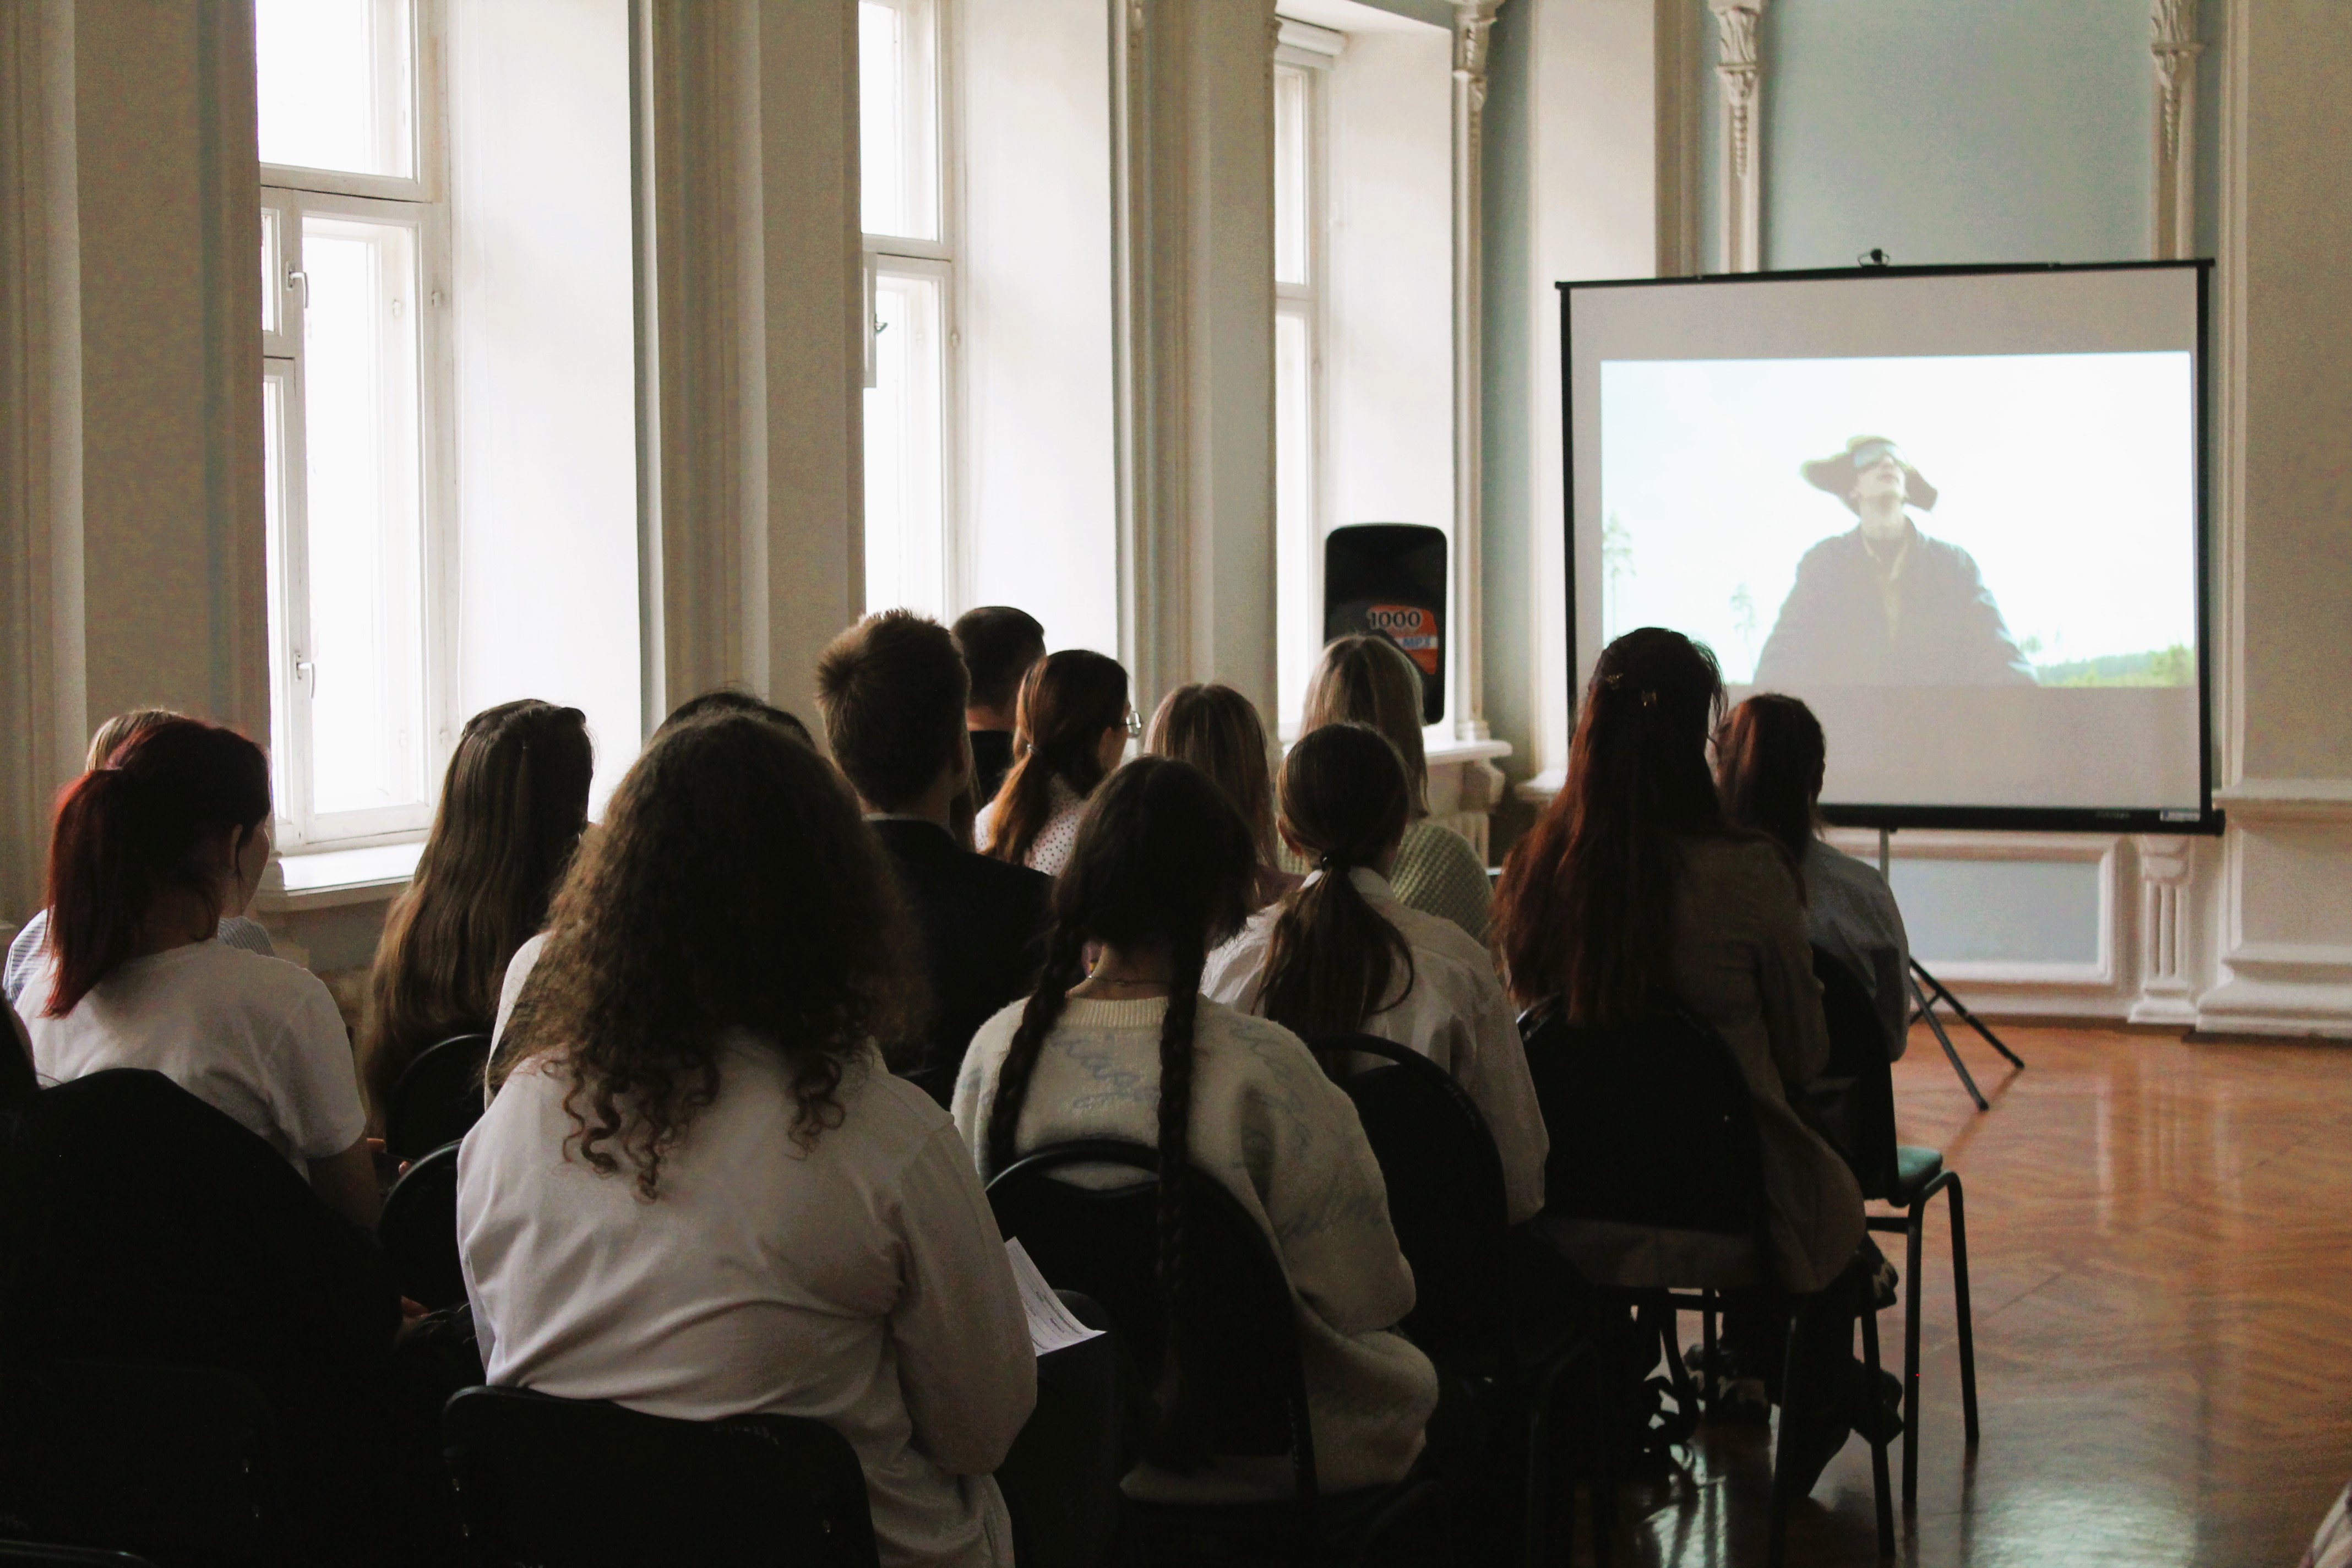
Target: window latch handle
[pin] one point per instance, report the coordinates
(296, 277)
(306, 670)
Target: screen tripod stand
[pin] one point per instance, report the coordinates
(1927, 991)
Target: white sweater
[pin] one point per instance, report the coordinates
(1285, 1141)
(1455, 1014)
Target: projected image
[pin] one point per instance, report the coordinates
(1953, 521)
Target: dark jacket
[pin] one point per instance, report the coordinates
(983, 926)
(991, 758)
(1833, 627)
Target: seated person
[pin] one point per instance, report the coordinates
(1074, 724)
(1365, 679)
(1217, 729)
(892, 692)
(1632, 897)
(513, 805)
(1769, 766)
(146, 856)
(26, 950)
(1342, 956)
(1128, 1048)
(700, 1194)
(999, 644)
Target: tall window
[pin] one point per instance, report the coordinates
(910, 273)
(352, 258)
(1299, 332)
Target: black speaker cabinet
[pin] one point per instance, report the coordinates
(1389, 578)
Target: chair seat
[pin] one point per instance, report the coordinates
(1651, 1258)
(1914, 1169)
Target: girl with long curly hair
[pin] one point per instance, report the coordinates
(700, 1192)
(1074, 723)
(1126, 1046)
(1343, 955)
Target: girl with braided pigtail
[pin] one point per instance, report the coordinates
(1343, 954)
(1127, 1046)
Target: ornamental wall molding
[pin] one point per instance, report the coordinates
(2174, 49)
(1739, 73)
(1474, 23)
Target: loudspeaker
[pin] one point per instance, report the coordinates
(1389, 578)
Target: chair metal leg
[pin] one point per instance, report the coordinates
(1911, 1239)
(1960, 1303)
(1795, 1381)
(1708, 1391)
(1878, 1445)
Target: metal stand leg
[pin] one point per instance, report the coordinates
(1927, 1011)
(1944, 992)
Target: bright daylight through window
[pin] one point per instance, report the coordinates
(1297, 359)
(910, 268)
(348, 245)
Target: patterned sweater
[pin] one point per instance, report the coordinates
(1285, 1141)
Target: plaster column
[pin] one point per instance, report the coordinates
(1192, 249)
(2165, 993)
(1739, 70)
(131, 533)
(2175, 48)
(751, 343)
(1473, 20)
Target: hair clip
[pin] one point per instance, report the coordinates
(1649, 699)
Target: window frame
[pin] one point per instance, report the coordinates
(1311, 52)
(889, 254)
(420, 203)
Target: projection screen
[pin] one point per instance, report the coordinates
(1959, 511)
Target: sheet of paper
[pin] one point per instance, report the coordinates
(1051, 1326)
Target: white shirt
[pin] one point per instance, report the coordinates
(861, 1282)
(1456, 1014)
(519, 969)
(1853, 915)
(28, 955)
(255, 1037)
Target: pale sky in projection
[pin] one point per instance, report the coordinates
(2069, 478)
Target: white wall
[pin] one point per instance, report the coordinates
(1040, 500)
(1389, 369)
(545, 418)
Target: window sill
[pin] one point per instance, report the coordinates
(329, 879)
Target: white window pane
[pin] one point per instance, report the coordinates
(337, 82)
(364, 530)
(276, 388)
(1290, 186)
(905, 426)
(269, 269)
(898, 87)
(1298, 589)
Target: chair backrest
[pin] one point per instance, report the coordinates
(419, 1228)
(567, 1483)
(1651, 1124)
(1447, 1202)
(179, 1463)
(438, 1098)
(1853, 1101)
(1104, 1242)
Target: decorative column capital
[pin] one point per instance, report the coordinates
(1473, 21)
(2174, 49)
(1739, 72)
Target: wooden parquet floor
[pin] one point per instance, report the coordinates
(2160, 1250)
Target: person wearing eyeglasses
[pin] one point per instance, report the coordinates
(1886, 603)
(1072, 725)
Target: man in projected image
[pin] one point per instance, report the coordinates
(1882, 604)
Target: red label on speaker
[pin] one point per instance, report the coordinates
(1412, 628)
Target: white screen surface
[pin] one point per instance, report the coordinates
(1997, 608)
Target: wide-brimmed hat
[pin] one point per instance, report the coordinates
(1837, 474)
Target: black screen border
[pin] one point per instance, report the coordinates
(1999, 818)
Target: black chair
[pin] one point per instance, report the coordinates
(566, 1483)
(419, 1228)
(1655, 1182)
(1104, 1242)
(176, 1463)
(1856, 1102)
(32, 1555)
(1448, 1206)
(438, 1098)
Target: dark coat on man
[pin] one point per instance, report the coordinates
(1832, 628)
(983, 927)
(991, 758)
